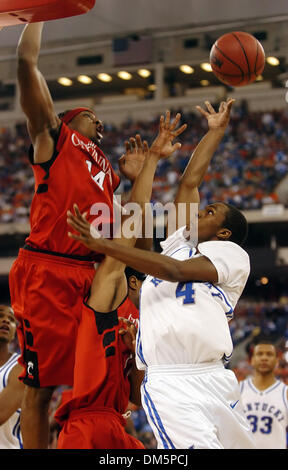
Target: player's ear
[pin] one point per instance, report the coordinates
(132, 282)
(223, 234)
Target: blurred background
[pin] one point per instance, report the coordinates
(131, 61)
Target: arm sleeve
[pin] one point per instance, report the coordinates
(230, 260)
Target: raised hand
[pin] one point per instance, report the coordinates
(218, 120)
(163, 145)
(87, 234)
(131, 162)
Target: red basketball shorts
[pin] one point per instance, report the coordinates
(47, 293)
(96, 429)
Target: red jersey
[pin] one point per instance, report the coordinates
(129, 311)
(102, 363)
(78, 172)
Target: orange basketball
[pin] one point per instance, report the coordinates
(237, 58)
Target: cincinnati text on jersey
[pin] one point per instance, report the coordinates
(92, 149)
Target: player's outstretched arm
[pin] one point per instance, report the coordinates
(163, 146)
(130, 165)
(155, 264)
(35, 97)
(201, 157)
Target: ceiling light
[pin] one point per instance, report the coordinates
(204, 82)
(186, 69)
(65, 81)
(144, 73)
(272, 61)
(124, 75)
(104, 77)
(84, 79)
(206, 66)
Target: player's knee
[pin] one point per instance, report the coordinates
(37, 398)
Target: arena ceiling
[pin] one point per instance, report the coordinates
(117, 17)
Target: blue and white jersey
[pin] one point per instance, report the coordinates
(267, 413)
(10, 435)
(187, 322)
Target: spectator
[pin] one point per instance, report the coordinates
(247, 167)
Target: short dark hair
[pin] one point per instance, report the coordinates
(237, 223)
(262, 339)
(61, 115)
(133, 272)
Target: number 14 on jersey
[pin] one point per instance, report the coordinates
(99, 177)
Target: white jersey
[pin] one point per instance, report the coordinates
(10, 435)
(187, 322)
(267, 413)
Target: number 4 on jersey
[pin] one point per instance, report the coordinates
(99, 177)
(185, 289)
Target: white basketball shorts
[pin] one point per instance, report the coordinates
(195, 407)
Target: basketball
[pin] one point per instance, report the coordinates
(237, 58)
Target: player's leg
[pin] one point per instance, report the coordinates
(234, 432)
(177, 411)
(34, 420)
(47, 297)
(233, 427)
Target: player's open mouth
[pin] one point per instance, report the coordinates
(99, 130)
(4, 328)
(99, 135)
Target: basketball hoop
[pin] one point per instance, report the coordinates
(15, 12)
